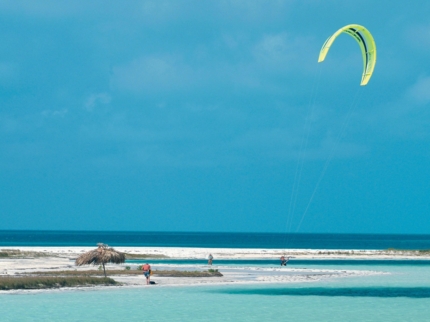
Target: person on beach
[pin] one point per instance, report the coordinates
(147, 272)
(284, 260)
(210, 259)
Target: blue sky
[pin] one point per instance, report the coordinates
(189, 116)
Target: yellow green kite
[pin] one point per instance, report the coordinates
(367, 46)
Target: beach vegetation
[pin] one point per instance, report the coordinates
(410, 252)
(170, 273)
(424, 252)
(46, 282)
(388, 251)
(16, 253)
(91, 272)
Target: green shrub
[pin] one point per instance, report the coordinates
(43, 282)
(92, 272)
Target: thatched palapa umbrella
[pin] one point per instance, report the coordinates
(100, 256)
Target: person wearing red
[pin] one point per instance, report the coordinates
(147, 272)
(283, 260)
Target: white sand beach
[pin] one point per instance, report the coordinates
(62, 258)
(234, 253)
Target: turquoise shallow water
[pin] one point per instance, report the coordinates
(293, 262)
(402, 294)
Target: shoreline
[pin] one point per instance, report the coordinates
(229, 253)
(289, 277)
(52, 259)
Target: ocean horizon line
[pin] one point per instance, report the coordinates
(205, 232)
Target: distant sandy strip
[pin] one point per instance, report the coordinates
(237, 253)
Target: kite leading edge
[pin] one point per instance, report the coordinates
(366, 43)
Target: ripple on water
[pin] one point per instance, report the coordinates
(385, 292)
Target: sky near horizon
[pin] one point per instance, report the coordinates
(190, 116)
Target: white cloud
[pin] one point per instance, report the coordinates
(420, 91)
(281, 51)
(155, 11)
(153, 73)
(419, 36)
(39, 8)
(8, 125)
(254, 10)
(273, 47)
(9, 73)
(96, 99)
(407, 115)
(55, 113)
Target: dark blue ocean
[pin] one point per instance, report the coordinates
(204, 239)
